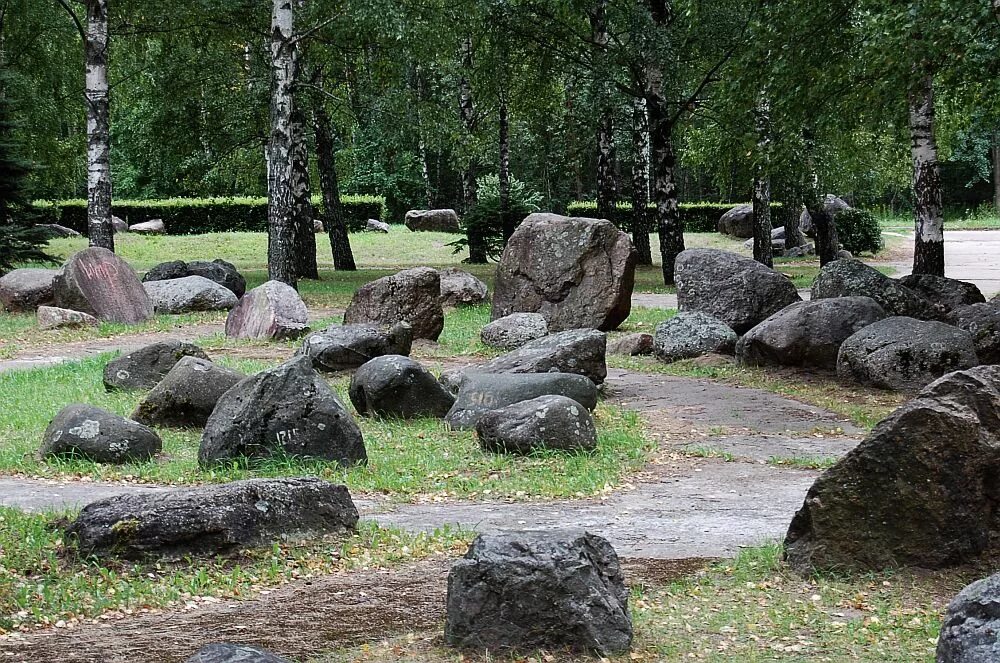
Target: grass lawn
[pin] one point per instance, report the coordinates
(984, 217)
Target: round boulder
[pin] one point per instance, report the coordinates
(460, 288)
(949, 293)
(98, 282)
(341, 347)
(549, 422)
(692, 334)
(971, 629)
(188, 294)
(272, 310)
(23, 290)
(412, 296)
(514, 330)
(94, 434)
(433, 220)
(737, 222)
(853, 278)
(145, 367)
(187, 395)
(397, 386)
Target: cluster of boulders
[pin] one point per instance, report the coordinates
(738, 222)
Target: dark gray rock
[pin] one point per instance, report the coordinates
(631, 345)
(460, 288)
(853, 278)
(737, 222)
(98, 282)
(397, 386)
(971, 629)
(228, 653)
(578, 273)
(514, 330)
(433, 220)
(554, 423)
(165, 271)
(808, 333)
(55, 230)
(287, 410)
(145, 367)
(222, 272)
(26, 289)
(118, 225)
(342, 347)
(188, 294)
(983, 322)
(187, 394)
(801, 251)
(539, 590)
(479, 393)
(739, 291)
(214, 519)
(272, 310)
(412, 295)
(904, 354)
(53, 317)
(777, 246)
(580, 351)
(692, 334)
(94, 434)
(920, 490)
(949, 293)
(831, 203)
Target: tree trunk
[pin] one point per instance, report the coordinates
(607, 189)
(762, 247)
(333, 214)
(995, 152)
(305, 236)
(827, 242)
(281, 242)
(425, 168)
(668, 220)
(928, 248)
(95, 53)
(507, 219)
(470, 190)
(640, 183)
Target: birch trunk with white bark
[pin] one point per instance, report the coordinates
(280, 211)
(763, 251)
(928, 247)
(669, 226)
(305, 236)
(507, 220)
(95, 49)
(640, 183)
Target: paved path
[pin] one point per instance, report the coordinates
(969, 255)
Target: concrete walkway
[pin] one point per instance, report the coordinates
(969, 255)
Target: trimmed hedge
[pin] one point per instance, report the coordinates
(190, 216)
(697, 217)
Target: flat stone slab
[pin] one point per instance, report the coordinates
(762, 448)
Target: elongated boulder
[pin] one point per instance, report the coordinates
(460, 288)
(151, 227)
(853, 278)
(971, 629)
(434, 220)
(412, 296)
(920, 490)
(288, 410)
(27, 289)
(222, 272)
(212, 520)
(904, 354)
(632, 345)
(188, 294)
(580, 351)
(145, 367)
(224, 652)
(808, 333)
(552, 423)
(53, 317)
(272, 310)
(341, 347)
(88, 432)
(98, 282)
(737, 290)
(397, 386)
(949, 293)
(578, 273)
(692, 334)
(480, 393)
(187, 395)
(514, 330)
(539, 590)
(55, 230)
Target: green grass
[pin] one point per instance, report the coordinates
(984, 217)
(407, 460)
(803, 462)
(43, 581)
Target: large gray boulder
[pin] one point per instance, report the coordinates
(53, 317)
(904, 354)
(224, 652)
(212, 520)
(412, 296)
(397, 386)
(480, 393)
(26, 289)
(970, 632)
(949, 293)
(737, 222)
(272, 310)
(539, 590)
(88, 432)
(514, 330)
(341, 347)
(853, 278)
(545, 423)
(188, 294)
(288, 410)
(433, 220)
(739, 291)
(580, 351)
(576, 272)
(808, 333)
(692, 334)
(187, 395)
(920, 490)
(983, 322)
(98, 282)
(151, 227)
(145, 367)
(221, 272)
(54, 230)
(832, 204)
(460, 288)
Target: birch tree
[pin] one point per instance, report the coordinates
(762, 248)
(640, 182)
(928, 247)
(607, 189)
(281, 244)
(467, 111)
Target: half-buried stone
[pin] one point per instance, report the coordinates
(480, 393)
(288, 410)
(459, 288)
(341, 347)
(224, 652)
(904, 354)
(971, 629)
(949, 293)
(187, 294)
(145, 367)
(397, 386)
(212, 520)
(26, 289)
(526, 591)
(692, 334)
(187, 395)
(853, 278)
(545, 423)
(580, 351)
(272, 310)
(98, 282)
(53, 317)
(412, 295)
(88, 432)
(514, 330)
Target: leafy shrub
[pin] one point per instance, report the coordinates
(858, 231)
(189, 216)
(697, 217)
(485, 216)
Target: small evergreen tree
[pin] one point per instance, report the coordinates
(20, 239)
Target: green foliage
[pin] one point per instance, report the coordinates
(486, 214)
(697, 217)
(859, 231)
(187, 216)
